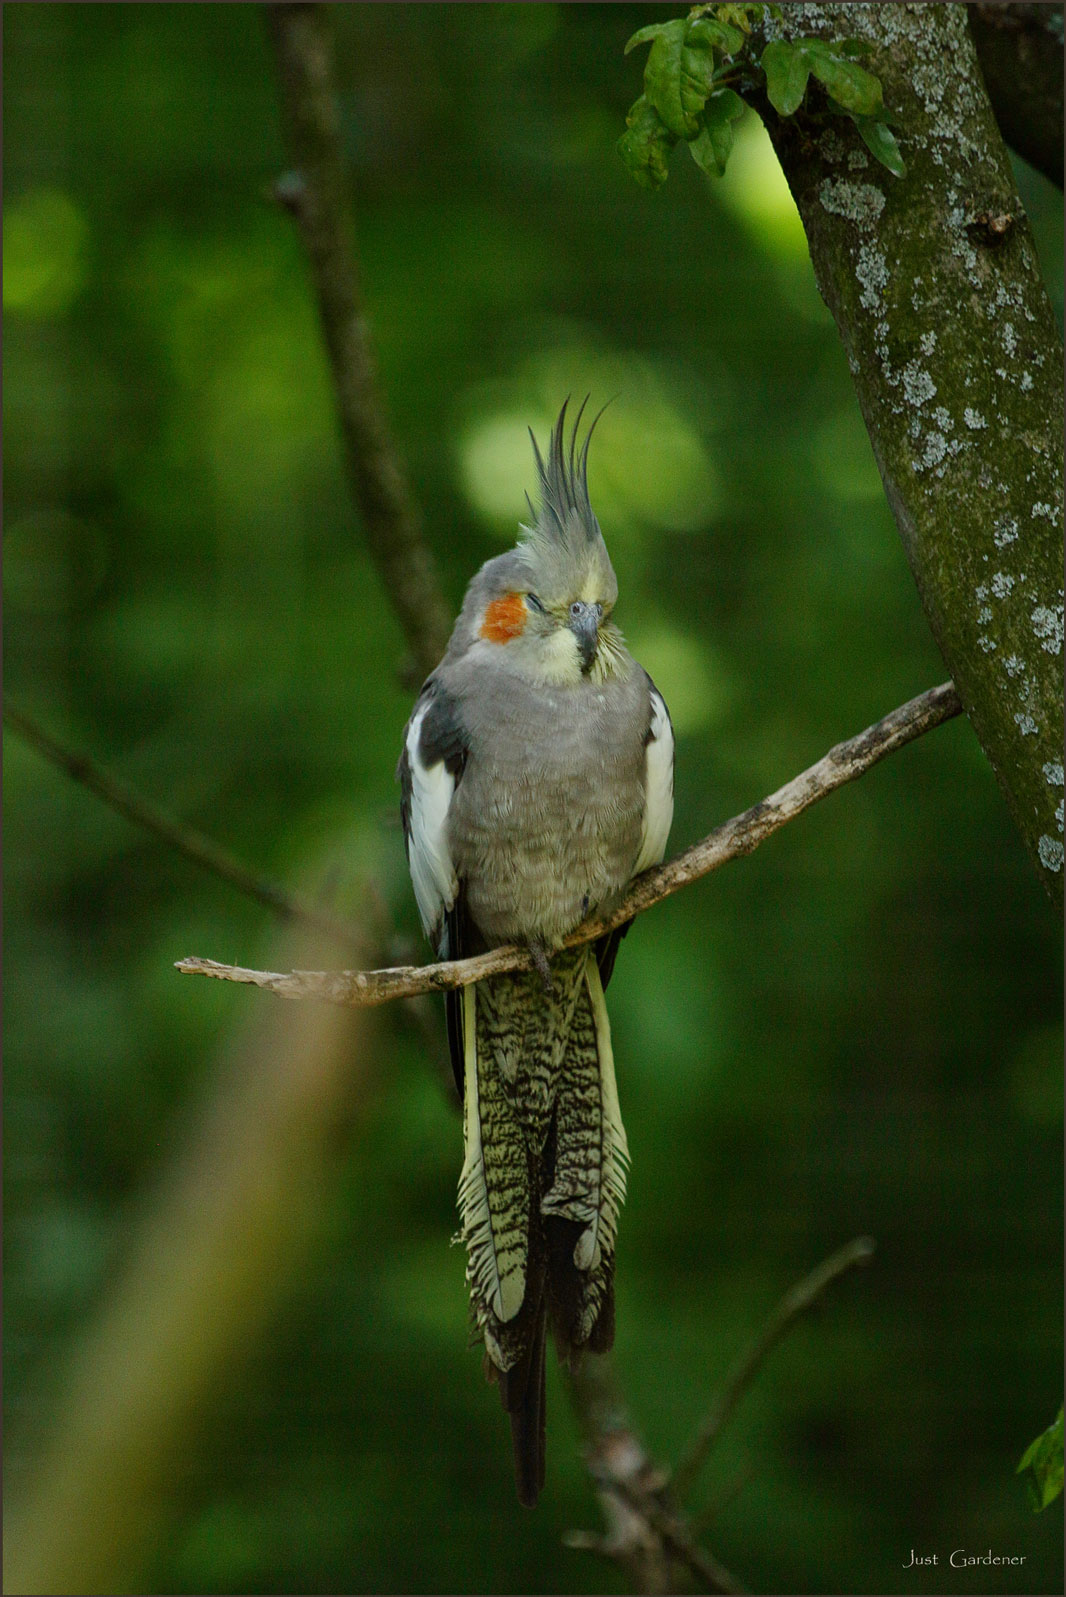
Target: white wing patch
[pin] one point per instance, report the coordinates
(658, 787)
(432, 871)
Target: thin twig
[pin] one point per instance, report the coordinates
(315, 193)
(796, 1301)
(736, 837)
(186, 839)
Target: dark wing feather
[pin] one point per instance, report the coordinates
(606, 949)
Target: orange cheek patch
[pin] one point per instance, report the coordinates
(504, 618)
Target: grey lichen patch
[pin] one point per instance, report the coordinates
(986, 644)
(1006, 531)
(984, 615)
(1025, 724)
(1002, 584)
(857, 160)
(1047, 624)
(1010, 338)
(1014, 665)
(1040, 509)
(927, 343)
(1050, 851)
(871, 270)
(973, 419)
(1025, 382)
(918, 386)
(831, 147)
(936, 447)
(860, 203)
(1053, 773)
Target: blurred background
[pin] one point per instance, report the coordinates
(236, 1348)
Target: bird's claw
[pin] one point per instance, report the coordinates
(542, 967)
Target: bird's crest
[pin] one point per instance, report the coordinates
(565, 535)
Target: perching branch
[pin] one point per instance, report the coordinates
(796, 1301)
(185, 839)
(736, 837)
(315, 192)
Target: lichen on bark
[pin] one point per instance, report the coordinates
(934, 282)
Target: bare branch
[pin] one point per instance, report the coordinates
(736, 837)
(315, 193)
(645, 1531)
(186, 839)
(796, 1301)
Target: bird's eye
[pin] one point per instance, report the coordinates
(577, 608)
(534, 603)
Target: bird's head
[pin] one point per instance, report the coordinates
(548, 603)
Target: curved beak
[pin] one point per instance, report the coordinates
(585, 625)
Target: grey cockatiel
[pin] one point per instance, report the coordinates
(537, 779)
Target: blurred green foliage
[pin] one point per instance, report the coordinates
(857, 1030)
(1041, 1463)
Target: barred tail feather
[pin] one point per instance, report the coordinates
(582, 1206)
(493, 1189)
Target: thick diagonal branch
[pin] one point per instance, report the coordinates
(734, 838)
(934, 283)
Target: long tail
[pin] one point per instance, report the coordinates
(542, 1184)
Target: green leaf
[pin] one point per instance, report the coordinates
(645, 146)
(855, 47)
(718, 34)
(739, 16)
(713, 146)
(645, 35)
(857, 90)
(697, 77)
(1043, 1459)
(662, 78)
(881, 143)
(787, 68)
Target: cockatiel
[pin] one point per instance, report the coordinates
(537, 781)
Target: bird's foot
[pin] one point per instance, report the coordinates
(542, 967)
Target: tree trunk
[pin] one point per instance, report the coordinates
(934, 283)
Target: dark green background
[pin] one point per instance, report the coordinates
(857, 1030)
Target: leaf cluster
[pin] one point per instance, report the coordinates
(1043, 1461)
(692, 66)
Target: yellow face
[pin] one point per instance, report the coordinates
(557, 643)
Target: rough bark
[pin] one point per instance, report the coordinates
(1020, 51)
(935, 286)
